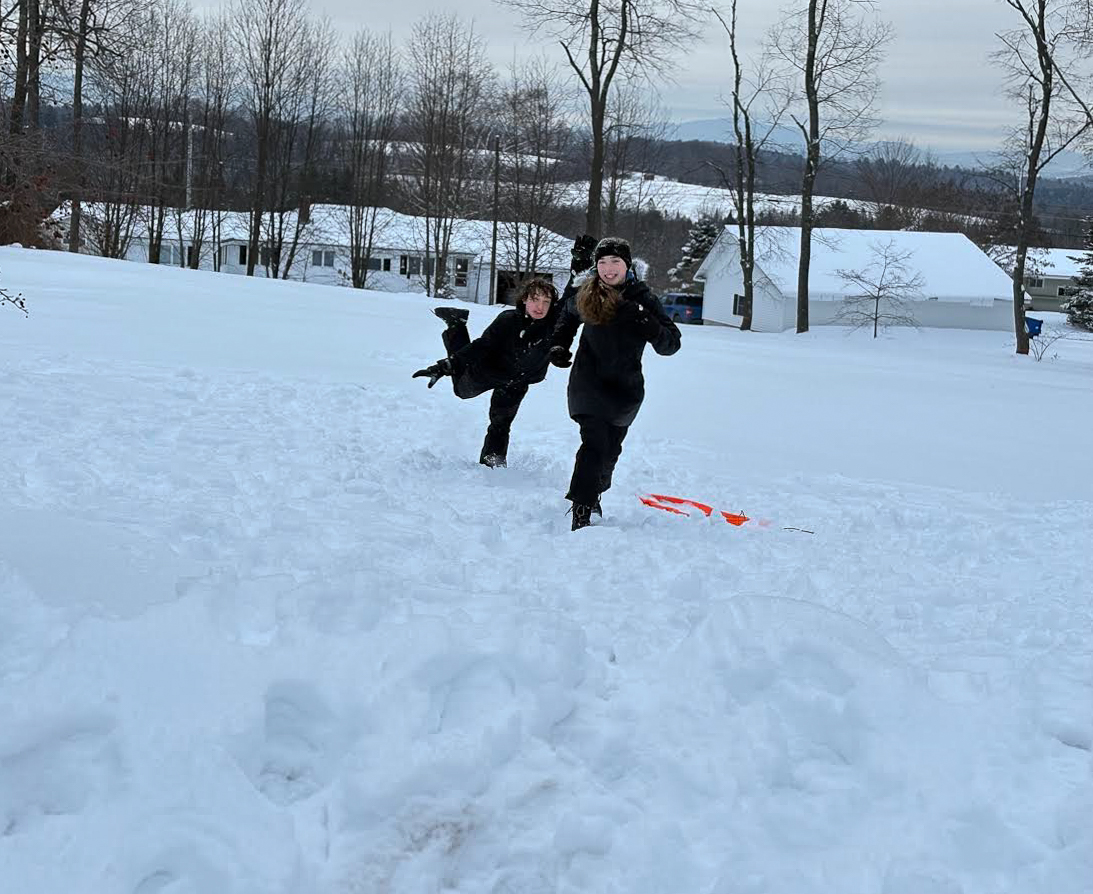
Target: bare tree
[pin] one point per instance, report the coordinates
(536, 138)
(271, 55)
(448, 97)
(369, 112)
(300, 136)
(123, 92)
(883, 289)
(171, 32)
(834, 48)
(750, 141)
(1038, 57)
(29, 43)
(892, 176)
(205, 157)
(89, 31)
(634, 129)
(605, 39)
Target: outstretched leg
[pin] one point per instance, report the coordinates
(504, 405)
(456, 338)
(465, 383)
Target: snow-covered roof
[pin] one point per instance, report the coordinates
(952, 267)
(1059, 262)
(329, 226)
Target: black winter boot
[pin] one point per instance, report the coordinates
(582, 516)
(596, 510)
(453, 316)
(494, 461)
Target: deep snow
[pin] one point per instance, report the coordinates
(266, 627)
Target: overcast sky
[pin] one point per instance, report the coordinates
(939, 86)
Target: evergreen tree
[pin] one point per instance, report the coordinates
(1079, 309)
(694, 251)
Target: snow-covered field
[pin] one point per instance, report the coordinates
(675, 198)
(267, 628)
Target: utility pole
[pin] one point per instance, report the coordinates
(496, 208)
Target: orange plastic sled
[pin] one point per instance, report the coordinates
(672, 504)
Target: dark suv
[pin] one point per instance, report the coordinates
(682, 308)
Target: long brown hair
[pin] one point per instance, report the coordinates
(596, 301)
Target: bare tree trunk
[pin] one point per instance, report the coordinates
(812, 160)
(77, 126)
(19, 92)
(35, 35)
(841, 52)
(638, 38)
(594, 215)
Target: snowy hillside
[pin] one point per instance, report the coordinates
(267, 628)
(673, 198)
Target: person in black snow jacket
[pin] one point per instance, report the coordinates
(606, 386)
(511, 354)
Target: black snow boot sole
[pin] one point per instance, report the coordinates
(453, 316)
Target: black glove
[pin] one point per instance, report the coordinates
(561, 357)
(435, 372)
(634, 315)
(583, 254)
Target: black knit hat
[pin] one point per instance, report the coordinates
(614, 245)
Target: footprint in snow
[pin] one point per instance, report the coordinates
(295, 751)
(57, 770)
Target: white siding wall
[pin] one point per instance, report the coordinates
(304, 268)
(170, 253)
(1046, 297)
(933, 314)
(789, 312)
(726, 281)
(722, 284)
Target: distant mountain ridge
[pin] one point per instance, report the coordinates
(1067, 164)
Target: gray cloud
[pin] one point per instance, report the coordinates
(939, 86)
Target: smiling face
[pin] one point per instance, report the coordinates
(611, 269)
(537, 304)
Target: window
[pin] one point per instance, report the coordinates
(328, 259)
(316, 259)
(415, 266)
(738, 306)
(386, 265)
(374, 264)
(242, 256)
(169, 254)
(1034, 282)
(191, 256)
(402, 265)
(225, 255)
(462, 265)
(1069, 291)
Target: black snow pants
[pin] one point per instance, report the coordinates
(504, 402)
(601, 445)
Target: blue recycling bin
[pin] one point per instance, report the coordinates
(1033, 326)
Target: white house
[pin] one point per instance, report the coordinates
(1052, 283)
(397, 261)
(961, 287)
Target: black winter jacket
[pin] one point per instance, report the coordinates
(606, 380)
(513, 350)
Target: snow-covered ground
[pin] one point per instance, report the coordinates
(267, 628)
